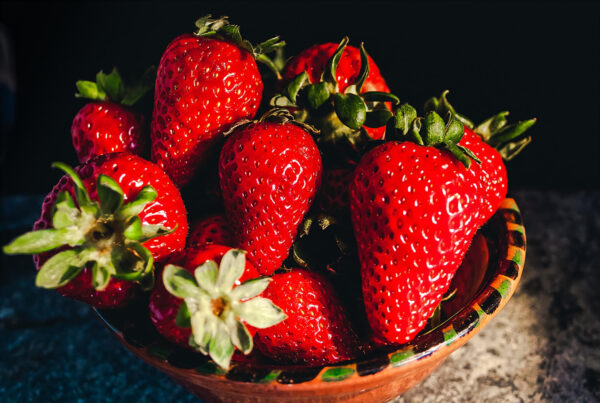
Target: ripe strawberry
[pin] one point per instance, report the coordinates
(103, 247)
(206, 82)
(317, 330)
(213, 229)
(339, 90)
(208, 307)
(108, 124)
(415, 209)
(269, 174)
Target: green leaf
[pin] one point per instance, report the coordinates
(350, 109)
(112, 84)
(379, 96)
(81, 193)
(137, 205)
(150, 231)
(138, 266)
(332, 63)
(260, 313)
(469, 153)
(316, 95)
(239, 335)
(291, 90)
(364, 68)
(459, 154)
(60, 269)
(454, 130)
(512, 148)
(144, 85)
(250, 288)
(206, 276)
(511, 132)
(183, 318)
(181, 283)
(220, 347)
(405, 115)
(89, 90)
(204, 327)
(133, 230)
(378, 117)
(491, 125)
(281, 101)
(433, 129)
(65, 213)
(233, 264)
(415, 131)
(101, 275)
(39, 241)
(110, 194)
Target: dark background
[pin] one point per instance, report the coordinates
(537, 60)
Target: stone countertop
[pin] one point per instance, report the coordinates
(543, 346)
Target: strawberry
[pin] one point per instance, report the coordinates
(105, 248)
(269, 174)
(206, 82)
(108, 124)
(211, 303)
(213, 229)
(415, 207)
(316, 331)
(339, 90)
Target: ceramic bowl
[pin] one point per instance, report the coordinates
(494, 270)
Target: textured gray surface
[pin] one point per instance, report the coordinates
(544, 345)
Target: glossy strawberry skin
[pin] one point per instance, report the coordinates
(314, 59)
(317, 330)
(491, 173)
(104, 127)
(269, 175)
(164, 306)
(131, 173)
(203, 86)
(213, 229)
(415, 210)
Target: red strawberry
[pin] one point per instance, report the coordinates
(317, 330)
(213, 229)
(108, 125)
(415, 209)
(105, 246)
(206, 82)
(269, 174)
(211, 304)
(339, 90)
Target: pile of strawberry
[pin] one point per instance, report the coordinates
(333, 223)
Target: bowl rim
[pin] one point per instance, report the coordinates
(425, 349)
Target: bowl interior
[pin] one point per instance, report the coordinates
(485, 281)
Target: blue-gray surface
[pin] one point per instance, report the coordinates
(544, 345)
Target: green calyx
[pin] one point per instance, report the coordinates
(338, 115)
(223, 29)
(217, 310)
(275, 115)
(110, 87)
(431, 131)
(504, 137)
(106, 236)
